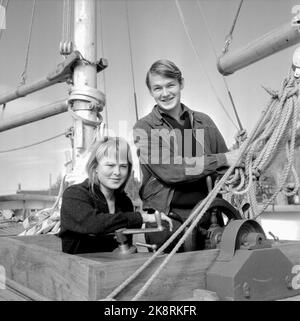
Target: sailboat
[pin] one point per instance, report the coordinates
(242, 265)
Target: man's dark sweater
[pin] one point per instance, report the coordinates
(86, 221)
(187, 194)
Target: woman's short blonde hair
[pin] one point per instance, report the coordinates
(99, 150)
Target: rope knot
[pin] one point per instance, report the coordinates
(292, 91)
(240, 136)
(256, 172)
(271, 92)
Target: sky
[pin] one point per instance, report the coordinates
(156, 32)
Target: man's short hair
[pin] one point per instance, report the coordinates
(165, 68)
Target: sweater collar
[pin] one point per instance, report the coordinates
(157, 113)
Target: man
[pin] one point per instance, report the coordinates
(177, 148)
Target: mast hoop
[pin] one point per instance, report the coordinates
(95, 97)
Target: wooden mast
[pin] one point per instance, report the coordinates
(85, 71)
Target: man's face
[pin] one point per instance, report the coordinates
(165, 91)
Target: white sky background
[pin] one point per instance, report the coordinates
(156, 32)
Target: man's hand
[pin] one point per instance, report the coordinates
(232, 157)
(150, 218)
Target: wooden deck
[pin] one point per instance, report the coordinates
(36, 269)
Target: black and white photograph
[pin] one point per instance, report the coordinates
(150, 152)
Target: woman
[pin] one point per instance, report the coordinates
(99, 206)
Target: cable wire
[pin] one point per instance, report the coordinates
(103, 55)
(200, 63)
(215, 52)
(228, 38)
(34, 144)
(131, 61)
(24, 73)
(5, 14)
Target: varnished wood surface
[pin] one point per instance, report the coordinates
(37, 263)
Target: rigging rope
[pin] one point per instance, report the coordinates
(66, 30)
(24, 73)
(131, 61)
(228, 38)
(200, 63)
(66, 46)
(5, 6)
(103, 55)
(215, 52)
(278, 123)
(287, 102)
(34, 144)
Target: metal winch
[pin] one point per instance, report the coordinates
(248, 268)
(123, 235)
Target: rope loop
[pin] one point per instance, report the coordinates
(85, 121)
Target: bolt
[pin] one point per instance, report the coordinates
(246, 290)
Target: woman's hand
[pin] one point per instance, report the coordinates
(150, 218)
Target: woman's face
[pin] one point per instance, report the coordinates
(112, 169)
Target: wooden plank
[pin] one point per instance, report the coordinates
(37, 262)
(10, 295)
(58, 276)
(293, 298)
(15, 292)
(53, 274)
(184, 273)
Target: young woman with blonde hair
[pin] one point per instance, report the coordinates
(95, 208)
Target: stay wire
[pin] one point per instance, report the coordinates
(102, 50)
(66, 25)
(1, 32)
(24, 73)
(200, 63)
(5, 8)
(228, 38)
(131, 61)
(34, 144)
(215, 52)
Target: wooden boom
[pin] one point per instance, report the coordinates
(34, 115)
(270, 43)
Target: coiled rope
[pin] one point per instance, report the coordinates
(277, 128)
(285, 100)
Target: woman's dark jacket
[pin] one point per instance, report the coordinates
(86, 221)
